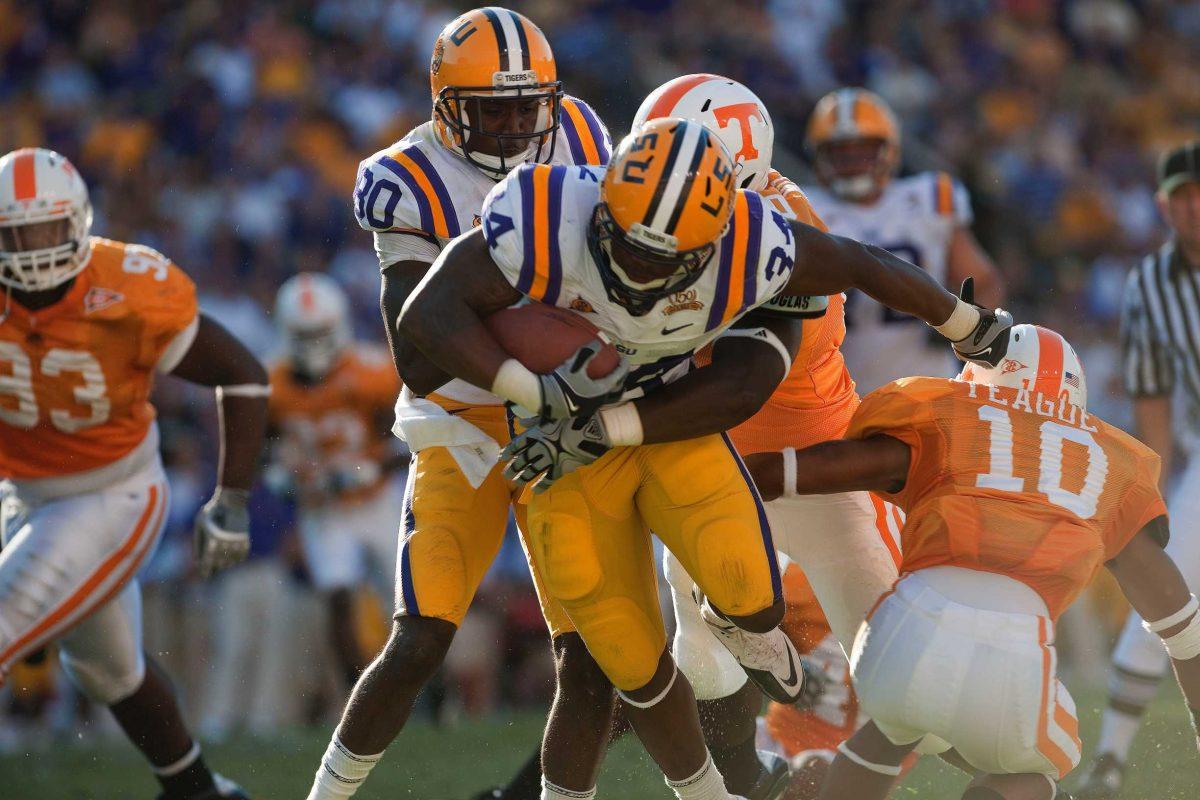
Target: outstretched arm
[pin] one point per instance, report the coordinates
(748, 364)
(1157, 591)
(878, 463)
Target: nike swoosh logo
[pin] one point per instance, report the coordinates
(793, 680)
(669, 331)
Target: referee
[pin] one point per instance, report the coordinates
(1160, 340)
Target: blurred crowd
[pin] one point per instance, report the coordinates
(226, 133)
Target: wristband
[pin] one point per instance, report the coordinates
(961, 322)
(623, 424)
(789, 472)
(244, 390)
(515, 382)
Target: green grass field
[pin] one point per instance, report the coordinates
(450, 763)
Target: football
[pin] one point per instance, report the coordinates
(542, 337)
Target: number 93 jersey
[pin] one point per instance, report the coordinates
(536, 223)
(1009, 481)
(75, 377)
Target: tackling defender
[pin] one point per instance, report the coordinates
(854, 141)
(663, 218)
(497, 103)
(86, 325)
(1015, 497)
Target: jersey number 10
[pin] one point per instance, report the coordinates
(1052, 435)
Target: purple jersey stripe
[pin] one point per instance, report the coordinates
(439, 187)
(411, 182)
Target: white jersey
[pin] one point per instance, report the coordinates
(536, 222)
(915, 218)
(416, 195)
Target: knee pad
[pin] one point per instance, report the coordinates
(623, 638)
(105, 680)
(734, 568)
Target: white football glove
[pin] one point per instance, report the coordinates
(222, 531)
(555, 449)
(569, 392)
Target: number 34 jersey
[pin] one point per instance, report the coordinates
(536, 223)
(75, 377)
(1008, 481)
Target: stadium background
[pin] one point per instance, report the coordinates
(226, 134)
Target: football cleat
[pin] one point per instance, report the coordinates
(769, 659)
(225, 789)
(1103, 779)
(774, 779)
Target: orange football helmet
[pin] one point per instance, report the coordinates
(493, 53)
(666, 198)
(854, 141)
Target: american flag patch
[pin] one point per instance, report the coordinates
(1071, 379)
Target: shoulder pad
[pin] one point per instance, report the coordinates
(586, 134)
(401, 191)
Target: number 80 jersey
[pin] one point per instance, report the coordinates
(75, 377)
(536, 223)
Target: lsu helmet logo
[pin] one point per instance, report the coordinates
(439, 52)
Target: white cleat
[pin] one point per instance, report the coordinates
(769, 659)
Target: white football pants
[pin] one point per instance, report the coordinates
(348, 546)
(67, 573)
(847, 546)
(981, 681)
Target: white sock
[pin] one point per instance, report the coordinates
(706, 784)
(341, 772)
(1117, 732)
(552, 792)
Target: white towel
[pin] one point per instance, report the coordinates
(422, 423)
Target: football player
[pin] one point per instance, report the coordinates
(497, 103)
(86, 325)
(841, 540)
(1015, 497)
(331, 407)
(613, 454)
(854, 142)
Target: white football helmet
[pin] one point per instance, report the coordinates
(313, 316)
(1038, 359)
(730, 111)
(45, 220)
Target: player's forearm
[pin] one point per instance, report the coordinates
(827, 265)
(713, 398)
(879, 464)
(243, 425)
(1152, 416)
(418, 373)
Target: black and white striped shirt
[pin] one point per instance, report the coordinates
(1160, 327)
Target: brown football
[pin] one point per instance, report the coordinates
(541, 337)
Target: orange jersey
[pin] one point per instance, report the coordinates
(816, 400)
(1007, 481)
(75, 377)
(335, 423)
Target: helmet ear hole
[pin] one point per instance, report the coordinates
(745, 184)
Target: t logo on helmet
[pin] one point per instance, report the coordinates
(742, 113)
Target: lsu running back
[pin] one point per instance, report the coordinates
(618, 245)
(497, 103)
(86, 326)
(854, 141)
(841, 540)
